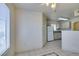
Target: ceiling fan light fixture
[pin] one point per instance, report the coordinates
(53, 5)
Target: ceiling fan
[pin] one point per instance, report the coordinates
(52, 5)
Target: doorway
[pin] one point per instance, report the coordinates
(76, 26)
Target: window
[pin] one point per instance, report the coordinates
(4, 28)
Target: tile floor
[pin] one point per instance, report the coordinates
(54, 46)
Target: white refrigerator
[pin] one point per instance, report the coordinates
(50, 33)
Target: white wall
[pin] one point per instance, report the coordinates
(52, 22)
(44, 29)
(28, 30)
(75, 19)
(70, 41)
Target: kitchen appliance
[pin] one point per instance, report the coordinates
(50, 33)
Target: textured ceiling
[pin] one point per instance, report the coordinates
(62, 9)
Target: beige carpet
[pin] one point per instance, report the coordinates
(50, 49)
(51, 54)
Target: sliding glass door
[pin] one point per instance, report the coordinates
(2, 36)
(4, 28)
